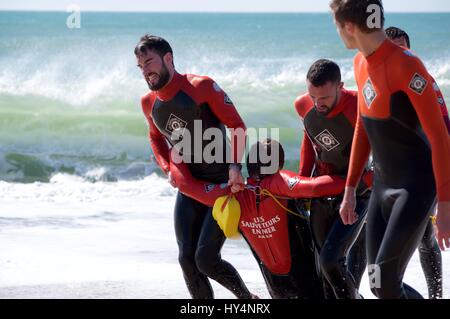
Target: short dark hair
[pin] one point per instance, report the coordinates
(355, 11)
(266, 147)
(395, 33)
(152, 43)
(323, 71)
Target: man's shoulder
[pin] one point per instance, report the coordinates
(303, 103)
(402, 59)
(350, 107)
(148, 99)
(198, 80)
(351, 97)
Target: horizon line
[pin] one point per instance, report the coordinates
(255, 12)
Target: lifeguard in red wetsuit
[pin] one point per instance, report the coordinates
(277, 238)
(329, 113)
(429, 252)
(180, 111)
(400, 121)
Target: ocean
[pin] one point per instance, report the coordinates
(84, 210)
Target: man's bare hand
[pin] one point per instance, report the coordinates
(443, 225)
(236, 180)
(348, 205)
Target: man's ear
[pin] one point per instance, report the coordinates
(341, 85)
(168, 58)
(350, 28)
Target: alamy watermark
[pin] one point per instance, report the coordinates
(73, 21)
(374, 19)
(374, 273)
(208, 146)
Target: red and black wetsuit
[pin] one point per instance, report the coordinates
(429, 251)
(326, 149)
(442, 105)
(172, 113)
(400, 120)
(277, 238)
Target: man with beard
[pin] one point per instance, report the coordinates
(176, 106)
(329, 114)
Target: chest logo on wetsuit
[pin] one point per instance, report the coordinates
(209, 187)
(327, 140)
(418, 84)
(291, 182)
(369, 93)
(175, 125)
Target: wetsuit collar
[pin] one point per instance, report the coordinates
(339, 107)
(380, 54)
(167, 92)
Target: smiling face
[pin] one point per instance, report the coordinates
(325, 97)
(156, 71)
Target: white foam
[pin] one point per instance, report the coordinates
(73, 239)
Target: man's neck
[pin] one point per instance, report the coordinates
(171, 74)
(367, 44)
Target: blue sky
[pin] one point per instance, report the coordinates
(215, 5)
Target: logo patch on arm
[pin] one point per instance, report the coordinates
(436, 87)
(327, 140)
(175, 125)
(369, 93)
(226, 99)
(418, 84)
(291, 182)
(209, 187)
(216, 87)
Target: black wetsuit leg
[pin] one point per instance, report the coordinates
(396, 222)
(279, 286)
(304, 269)
(357, 257)
(199, 241)
(431, 261)
(333, 240)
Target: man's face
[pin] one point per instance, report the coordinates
(325, 97)
(401, 41)
(154, 69)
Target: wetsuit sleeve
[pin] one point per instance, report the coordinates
(203, 192)
(158, 142)
(307, 156)
(443, 106)
(289, 184)
(222, 106)
(418, 85)
(360, 146)
(359, 154)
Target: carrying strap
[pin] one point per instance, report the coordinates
(262, 191)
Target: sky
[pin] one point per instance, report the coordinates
(215, 5)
